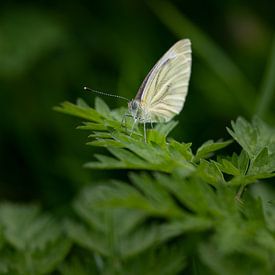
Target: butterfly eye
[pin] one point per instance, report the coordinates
(134, 105)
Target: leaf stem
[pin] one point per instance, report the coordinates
(239, 193)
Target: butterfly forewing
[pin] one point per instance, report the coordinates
(164, 90)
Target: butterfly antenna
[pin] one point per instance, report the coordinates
(102, 93)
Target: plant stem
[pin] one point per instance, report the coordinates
(239, 194)
(268, 86)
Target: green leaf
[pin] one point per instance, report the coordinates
(229, 168)
(166, 128)
(261, 160)
(102, 108)
(105, 143)
(79, 111)
(264, 163)
(253, 137)
(92, 126)
(81, 103)
(210, 172)
(208, 148)
(243, 162)
(181, 150)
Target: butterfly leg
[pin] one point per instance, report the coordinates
(144, 130)
(133, 127)
(123, 121)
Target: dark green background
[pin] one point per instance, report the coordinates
(50, 49)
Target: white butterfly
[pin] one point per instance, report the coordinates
(162, 94)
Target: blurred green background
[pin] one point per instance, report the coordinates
(49, 50)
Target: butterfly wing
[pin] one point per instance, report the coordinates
(164, 90)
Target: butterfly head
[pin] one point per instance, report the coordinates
(134, 107)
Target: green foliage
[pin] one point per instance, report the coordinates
(257, 160)
(183, 213)
(32, 243)
(192, 203)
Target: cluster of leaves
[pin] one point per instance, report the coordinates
(30, 242)
(190, 205)
(184, 212)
